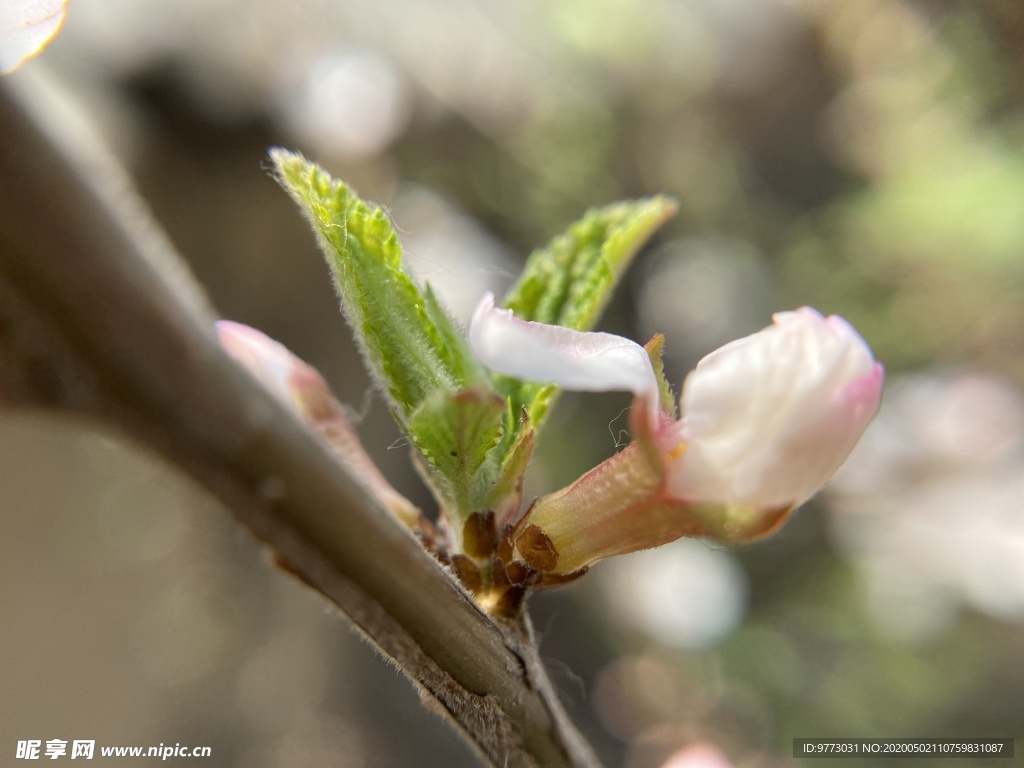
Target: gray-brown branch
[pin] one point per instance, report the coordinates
(99, 318)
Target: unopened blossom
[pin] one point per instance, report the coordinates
(26, 27)
(766, 421)
(769, 418)
(304, 390)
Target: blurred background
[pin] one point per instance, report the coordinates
(865, 158)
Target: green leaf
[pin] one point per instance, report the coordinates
(410, 344)
(506, 493)
(455, 433)
(440, 395)
(569, 281)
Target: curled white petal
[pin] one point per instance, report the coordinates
(576, 360)
(26, 26)
(769, 418)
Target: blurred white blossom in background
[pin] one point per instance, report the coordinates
(346, 102)
(930, 504)
(682, 595)
(698, 756)
(701, 293)
(235, 56)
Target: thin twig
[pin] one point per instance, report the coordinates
(98, 317)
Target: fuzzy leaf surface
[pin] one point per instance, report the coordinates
(455, 433)
(438, 392)
(410, 344)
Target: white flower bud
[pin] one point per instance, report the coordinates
(303, 389)
(769, 418)
(766, 421)
(269, 361)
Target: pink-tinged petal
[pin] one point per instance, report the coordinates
(769, 418)
(303, 389)
(26, 27)
(698, 756)
(576, 360)
(267, 360)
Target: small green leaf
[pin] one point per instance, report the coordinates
(410, 344)
(455, 433)
(569, 281)
(507, 492)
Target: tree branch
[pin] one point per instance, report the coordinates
(98, 317)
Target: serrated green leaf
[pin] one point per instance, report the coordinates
(569, 281)
(410, 344)
(455, 433)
